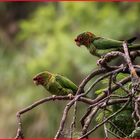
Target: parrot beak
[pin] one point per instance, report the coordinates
(77, 42)
(35, 82)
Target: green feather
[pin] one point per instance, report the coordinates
(66, 83)
(104, 43)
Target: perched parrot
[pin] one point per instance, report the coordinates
(94, 43)
(55, 83)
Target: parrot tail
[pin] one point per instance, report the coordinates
(129, 41)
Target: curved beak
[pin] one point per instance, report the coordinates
(35, 82)
(77, 42)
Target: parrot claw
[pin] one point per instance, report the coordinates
(70, 96)
(53, 96)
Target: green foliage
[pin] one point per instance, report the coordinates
(102, 114)
(99, 91)
(123, 121)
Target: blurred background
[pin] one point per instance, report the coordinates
(40, 36)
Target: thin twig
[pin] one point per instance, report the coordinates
(35, 104)
(120, 85)
(90, 109)
(100, 124)
(102, 105)
(102, 77)
(53, 98)
(134, 76)
(113, 133)
(117, 128)
(102, 98)
(73, 124)
(111, 55)
(108, 57)
(105, 127)
(119, 96)
(88, 119)
(114, 87)
(19, 130)
(106, 102)
(137, 111)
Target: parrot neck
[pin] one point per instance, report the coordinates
(48, 80)
(91, 48)
(87, 46)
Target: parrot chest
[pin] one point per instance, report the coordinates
(92, 49)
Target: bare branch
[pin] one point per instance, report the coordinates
(52, 98)
(135, 78)
(114, 87)
(117, 128)
(100, 124)
(88, 119)
(102, 77)
(113, 133)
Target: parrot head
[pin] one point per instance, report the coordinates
(85, 39)
(42, 78)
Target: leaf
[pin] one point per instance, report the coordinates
(99, 91)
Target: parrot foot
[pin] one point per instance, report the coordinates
(70, 96)
(53, 96)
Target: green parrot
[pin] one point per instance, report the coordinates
(55, 83)
(94, 43)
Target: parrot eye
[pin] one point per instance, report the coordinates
(36, 79)
(79, 39)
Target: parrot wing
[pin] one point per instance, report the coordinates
(130, 40)
(66, 83)
(106, 43)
